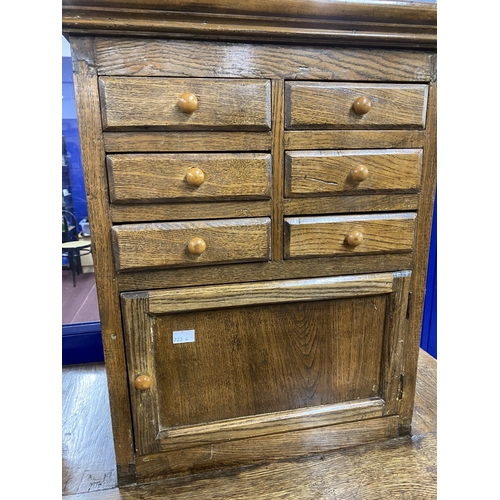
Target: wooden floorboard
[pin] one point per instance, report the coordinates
(402, 468)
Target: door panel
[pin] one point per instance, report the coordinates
(217, 374)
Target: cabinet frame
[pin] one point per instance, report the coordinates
(140, 310)
(340, 37)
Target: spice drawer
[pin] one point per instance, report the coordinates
(354, 105)
(185, 103)
(361, 171)
(151, 178)
(349, 235)
(167, 244)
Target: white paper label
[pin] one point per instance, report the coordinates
(182, 336)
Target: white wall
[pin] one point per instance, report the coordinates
(66, 52)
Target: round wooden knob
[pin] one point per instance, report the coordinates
(196, 246)
(188, 102)
(354, 238)
(359, 173)
(362, 105)
(142, 382)
(195, 176)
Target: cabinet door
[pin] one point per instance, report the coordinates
(230, 362)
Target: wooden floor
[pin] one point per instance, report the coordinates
(402, 468)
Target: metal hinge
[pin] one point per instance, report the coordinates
(400, 386)
(408, 307)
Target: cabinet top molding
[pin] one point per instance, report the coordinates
(367, 22)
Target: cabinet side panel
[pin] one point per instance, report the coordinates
(89, 120)
(421, 260)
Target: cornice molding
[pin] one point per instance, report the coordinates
(380, 23)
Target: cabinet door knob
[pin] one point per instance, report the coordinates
(354, 238)
(188, 102)
(362, 105)
(359, 173)
(196, 246)
(142, 382)
(195, 176)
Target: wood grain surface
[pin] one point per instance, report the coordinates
(142, 246)
(409, 463)
(267, 358)
(96, 187)
(209, 297)
(270, 423)
(164, 142)
(271, 270)
(88, 458)
(317, 236)
(171, 58)
(152, 102)
(330, 172)
(393, 23)
(162, 177)
(353, 139)
(323, 105)
(216, 266)
(201, 210)
(346, 204)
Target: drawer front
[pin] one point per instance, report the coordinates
(331, 105)
(180, 244)
(137, 178)
(131, 102)
(338, 172)
(349, 235)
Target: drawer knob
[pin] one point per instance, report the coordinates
(196, 246)
(142, 382)
(188, 102)
(362, 105)
(195, 176)
(354, 238)
(359, 173)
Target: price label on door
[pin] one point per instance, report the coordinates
(183, 336)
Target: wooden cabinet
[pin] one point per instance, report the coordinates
(260, 186)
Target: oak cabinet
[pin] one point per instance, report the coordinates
(260, 202)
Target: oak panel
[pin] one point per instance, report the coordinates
(267, 358)
(163, 244)
(278, 109)
(153, 102)
(162, 177)
(353, 139)
(140, 361)
(270, 423)
(395, 12)
(330, 172)
(267, 449)
(183, 58)
(200, 210)
(164, 142)
(93, 163)
(269, 270)
(350, 204)
(418, 286)
(329, 105)
(317, 236)
(207, 297)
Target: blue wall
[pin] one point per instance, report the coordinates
(428, 341)
(70, 133)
